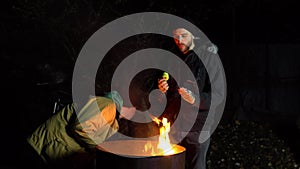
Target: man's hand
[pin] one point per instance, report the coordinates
(163, 85)
(187, 95)
(127, 112)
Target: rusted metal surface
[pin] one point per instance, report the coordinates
(131, 154)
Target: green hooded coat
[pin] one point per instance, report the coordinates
(67, 133)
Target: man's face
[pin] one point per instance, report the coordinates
(183, 39)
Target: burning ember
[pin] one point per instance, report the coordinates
(164, 146)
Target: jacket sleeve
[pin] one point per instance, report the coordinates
(203, 97)
(95, 123)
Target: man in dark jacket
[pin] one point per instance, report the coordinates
(187, 98)
(196, 97)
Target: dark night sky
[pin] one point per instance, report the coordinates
(258, 44)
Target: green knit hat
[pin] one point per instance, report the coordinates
(117, 99)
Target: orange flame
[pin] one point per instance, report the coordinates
(164, 144)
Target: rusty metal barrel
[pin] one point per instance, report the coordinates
(138, 154)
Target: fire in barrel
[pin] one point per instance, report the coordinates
(142, 154)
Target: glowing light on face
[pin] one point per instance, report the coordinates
(183, 39)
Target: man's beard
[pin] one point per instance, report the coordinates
(185, 47)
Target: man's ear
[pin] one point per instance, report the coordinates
(192, 45)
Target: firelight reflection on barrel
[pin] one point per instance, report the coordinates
(145, 148)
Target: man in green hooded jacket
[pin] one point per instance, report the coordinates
(68, 139)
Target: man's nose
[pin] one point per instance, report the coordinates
(180, 39)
